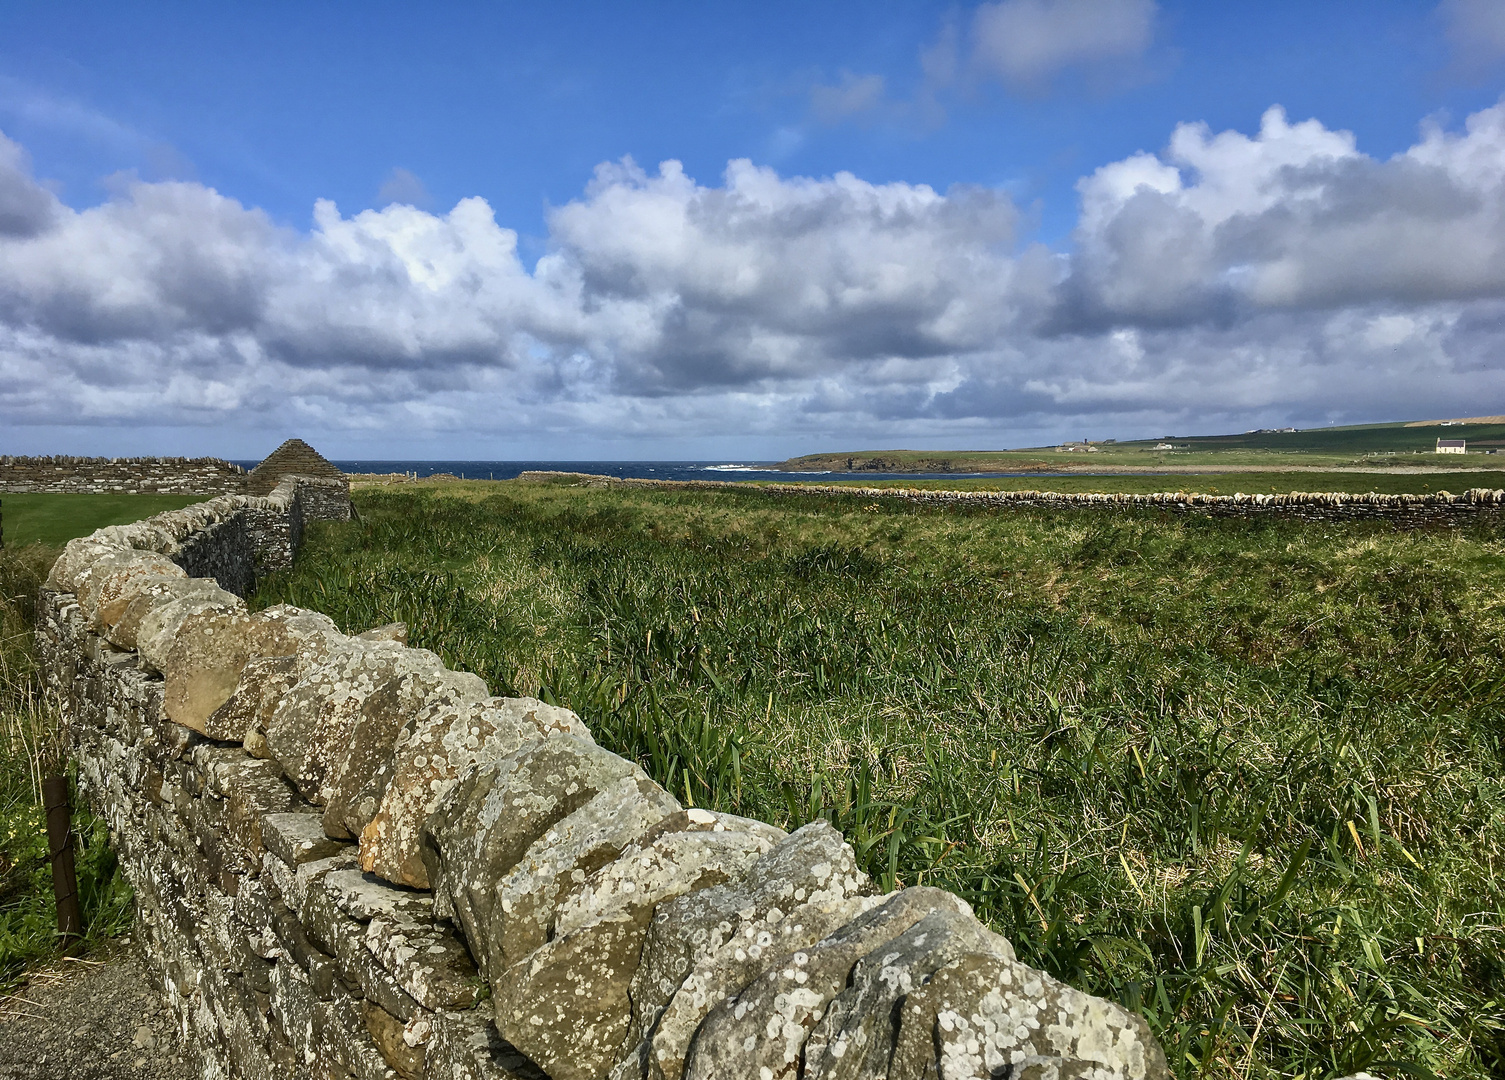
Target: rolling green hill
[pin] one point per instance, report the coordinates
(1366, 446)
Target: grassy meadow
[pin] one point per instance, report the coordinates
(1262, 483)
(54, 519)
(32, 747)
(1245, 777)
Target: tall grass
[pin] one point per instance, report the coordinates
(1245, 777)
(33, 746)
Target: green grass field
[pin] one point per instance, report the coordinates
(1245, 777)
(1367, 445)
(55, 519)
(31, 748)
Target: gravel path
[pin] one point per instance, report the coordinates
(94, 1019)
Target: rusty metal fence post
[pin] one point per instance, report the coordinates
(70, 924)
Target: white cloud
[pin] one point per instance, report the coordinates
(1027, 42)
(1295, 217)
(1283, 275)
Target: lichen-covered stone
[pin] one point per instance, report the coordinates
(396, 631)
(151, 592)
(158, 628)
(117, 589)
(983, 1016)
(568, 1005)
(813, 866)
(355, 785)
(310, 727)
(466, 1046)
(297, 838)
(263, 682)
(487, 821)
(387, 1033)
(560, 861)
(854, 1039)
(689, 850)
(426, 959)
(340, 1032)
(364, 897)
(762, 1030)
(431, 751)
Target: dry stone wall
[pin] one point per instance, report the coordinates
(350, 861)
(1405, 511)
(162, 476)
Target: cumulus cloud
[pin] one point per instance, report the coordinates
(1294, 217)
(1027, 42)
(1281, 275)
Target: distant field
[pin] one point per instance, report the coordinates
(56, 519)
(1373, 445)
(1246, 777)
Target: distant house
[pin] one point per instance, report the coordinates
(1452, 446)
(1164, 446)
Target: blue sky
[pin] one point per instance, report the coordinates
(167, 284)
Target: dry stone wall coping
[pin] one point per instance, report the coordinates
(350, 861)
(165, 476)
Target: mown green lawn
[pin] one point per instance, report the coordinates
(55, 519)
(1245, 777)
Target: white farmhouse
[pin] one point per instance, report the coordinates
(1452, 446)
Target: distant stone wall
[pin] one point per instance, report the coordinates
(1405, 511)
(350, 861)
(135, 476)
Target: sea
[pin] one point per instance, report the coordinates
(637, 470)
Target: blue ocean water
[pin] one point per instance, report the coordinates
(640, 470)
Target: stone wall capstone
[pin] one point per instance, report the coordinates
(350, 861)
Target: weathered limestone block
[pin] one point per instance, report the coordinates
(263, 682)
(560, 861)
(293, 884)
(397, 631)
(762, 1030)
(388, 1034)
(855, 1038)
(149, 593)
(354, 787)
(158, 629)
(340, 1032)
(344, 938)
(297, 838)
(982, 1016)
(113, 592)
(567, 1006)
(430, 753)
(487, 821)
(720, 936)
(688, 850)
(211, 650)
(812, 865)
(751, 951)
(310, 728)
(466, 1046)
(77, 559)
(426, 960)
(292, 1008)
